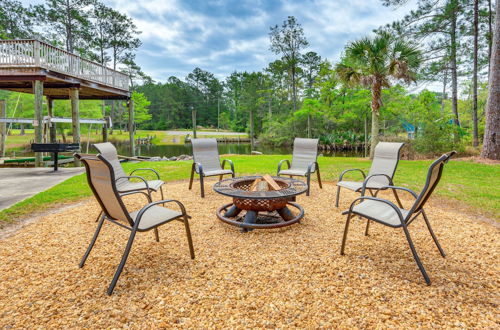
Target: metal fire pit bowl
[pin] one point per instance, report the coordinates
(274, 202)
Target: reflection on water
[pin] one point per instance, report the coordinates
(224, 148)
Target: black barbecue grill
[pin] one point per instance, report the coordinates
(55, 148)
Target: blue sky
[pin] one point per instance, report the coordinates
(222, 36)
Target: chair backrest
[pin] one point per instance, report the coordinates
(433, 176)
(108, 151)
(305, 152)
(206, 153)
(385, 161)
(101, 179)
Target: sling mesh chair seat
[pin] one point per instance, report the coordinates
(123, 182)
(101, 179)
(304, 161)
(387, 213)
(206, 162)
(384, 164)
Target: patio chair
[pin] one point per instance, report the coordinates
(101, 179)
(304, 161)
(206, 162)
(123, 184)
(387, 213)
(385, 161)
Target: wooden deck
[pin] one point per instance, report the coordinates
(24, 61)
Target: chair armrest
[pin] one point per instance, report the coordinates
(145, 208)
(281, 164)
(414, 194)
(231, 164)
(363, 188)
(137, 177)
(137, 192)
(200, 168)
(350, 170)
(381, 200)
(309, 168)
(146, 169)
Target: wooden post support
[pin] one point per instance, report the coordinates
(75, 116)
(105, 132)
(193, 117)
(50, 110)
(3, 128)
(38, 86)
(131, 127)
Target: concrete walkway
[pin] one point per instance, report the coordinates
(17, 184)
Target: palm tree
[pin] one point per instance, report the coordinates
(374, 62)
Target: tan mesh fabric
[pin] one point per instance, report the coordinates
(101, 179)
(385, 161)
(108, 151)
(206, 153)
(154, 216)
(305, 152)
(380, 211)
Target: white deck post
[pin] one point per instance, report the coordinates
(38, 91)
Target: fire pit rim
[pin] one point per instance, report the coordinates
(224, 187)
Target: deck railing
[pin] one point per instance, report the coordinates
(38, 54)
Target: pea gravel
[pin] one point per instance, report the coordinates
(281, 278)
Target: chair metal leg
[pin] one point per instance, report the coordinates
(346, 229)
(319, 178)
(122, 262)
(157, 235)
(416, 257)
(397, 198)
(308, 184)
(189, 238)
(161, 191)
(433, 235)
(220, 177)
(191, 179)
(92, 242)
(232, 174)
(99, 216)
(202, 186)
(367, 227)
(337, 197)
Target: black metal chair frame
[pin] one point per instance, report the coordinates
(198, 169)
(307, 175)
(414, 212)
(133, 226)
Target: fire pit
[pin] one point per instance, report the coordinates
(260, 202)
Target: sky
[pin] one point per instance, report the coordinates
(223, 36)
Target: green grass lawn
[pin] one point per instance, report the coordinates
(473, 184)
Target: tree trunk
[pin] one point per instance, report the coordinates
(251, 129)
(475, 140)
(490, 34)
(376, 95)
(444, 97)
(491, 142)
(454, 79)
(22, 132)
(294, 92)
(308, 126)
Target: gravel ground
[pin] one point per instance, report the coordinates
(291, 277)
